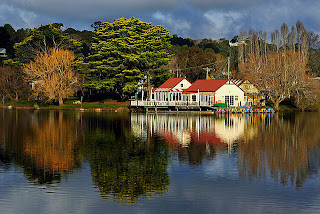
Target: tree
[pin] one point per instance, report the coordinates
(12, 84)
(278, 77)
(53, 74)
(123, 53)
(40, 39)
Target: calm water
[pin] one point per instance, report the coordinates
(73, 162)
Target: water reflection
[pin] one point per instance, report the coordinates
(286, 147)
(47, 145)
(195, 137)
(41, 143)
(130, 156)
(283, 147)
(123, 165)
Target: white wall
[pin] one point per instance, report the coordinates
(186, 84)
(230, 90)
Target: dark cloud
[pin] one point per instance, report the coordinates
(188, 18)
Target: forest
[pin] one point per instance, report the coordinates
(114, 60)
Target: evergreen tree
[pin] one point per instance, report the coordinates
(124, 53)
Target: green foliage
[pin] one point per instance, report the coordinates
(160, 76)
(124, 165)
(221, 46)
(314, 62)
(40, 39)
(175, 40)
(123, 53)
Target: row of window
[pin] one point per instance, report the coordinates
(229, 99)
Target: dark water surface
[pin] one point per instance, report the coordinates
(87, 162)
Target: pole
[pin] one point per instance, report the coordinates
(228, 68)
(81, 102)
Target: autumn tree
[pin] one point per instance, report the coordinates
(53, 75)
(124, 53)
(278, 77)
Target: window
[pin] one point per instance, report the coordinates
(194, 97)
(181, 85)
(229, 99)
(236, 98)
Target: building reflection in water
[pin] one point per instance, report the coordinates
(195, 137)
(185, 129)
(283, 147)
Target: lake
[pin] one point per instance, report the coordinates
(100, 162)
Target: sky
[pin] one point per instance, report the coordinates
(196, 19)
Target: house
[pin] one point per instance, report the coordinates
(170, 90)
(3, 52)
(252, 95)
(214, 91)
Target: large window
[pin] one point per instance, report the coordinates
(229, 99)
(194, 98)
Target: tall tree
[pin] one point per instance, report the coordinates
(42, 38)
(124, 52)
(300, 29)
(284, 35)
(292, 39)
(53, 74)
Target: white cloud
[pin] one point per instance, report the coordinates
(222, 24)
(177, 25)
(188, 18)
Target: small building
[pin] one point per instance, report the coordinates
(210, 92)
(3, 52)
(170, 90)
(253, 97)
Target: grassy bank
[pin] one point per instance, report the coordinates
(68, 105)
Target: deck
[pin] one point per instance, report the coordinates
(171, 105)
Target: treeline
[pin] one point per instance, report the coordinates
(113, 60)
(284, 68)
(122, 58)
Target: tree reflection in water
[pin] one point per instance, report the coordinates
(42, 143)
(286, 146)
(121, 164)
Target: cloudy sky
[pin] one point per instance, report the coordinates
(195, 19)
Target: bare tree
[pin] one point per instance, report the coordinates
(284, 34)
(300, 29)
(242, 40)
(293, 39)
(282, 74)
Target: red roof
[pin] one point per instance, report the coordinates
(206, 85)
(172, 82)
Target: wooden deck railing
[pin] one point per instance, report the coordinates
(144, 103)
